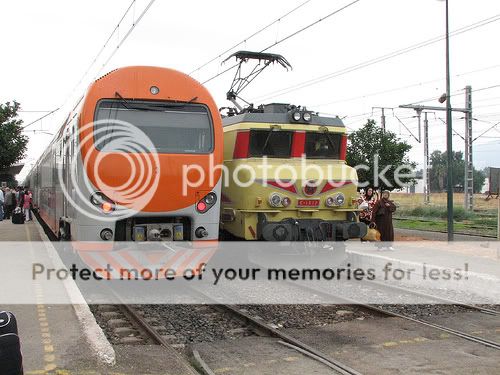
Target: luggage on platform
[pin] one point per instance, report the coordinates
(11, 360)
(17, 216)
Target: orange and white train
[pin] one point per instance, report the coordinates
(115, 170)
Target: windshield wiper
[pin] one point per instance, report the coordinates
(330, 141)
(150, 106)
(125, 103)
(271, 131)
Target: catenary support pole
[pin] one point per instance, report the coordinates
(449, 136)
(425, 176)
(469, 167)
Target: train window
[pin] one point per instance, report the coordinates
(172, 127)
(322, 145)
(273, 144)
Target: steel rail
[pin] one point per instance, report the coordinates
(464, 335)
(483, 310)
(292, 342)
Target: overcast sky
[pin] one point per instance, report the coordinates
(48, 46)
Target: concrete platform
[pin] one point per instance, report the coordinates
(394, 346)
(477, 262)
(64, 338)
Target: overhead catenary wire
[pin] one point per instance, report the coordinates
(288, 37)
(41, 118)
(458, 92)
(94, 60)
(120, 43)
(223, 53)
(376, 60)
(486, 131)
(127, 34)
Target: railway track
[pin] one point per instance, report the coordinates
(384, 311)
(292, 342)
(149, 333)
(439, 299)
(198, 367)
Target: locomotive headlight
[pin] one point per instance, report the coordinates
(339, 199)
(329, 202)
(296, 116)
(335, 201)
(274, 200)
(306, 116)
(286, 201)
(154, 90)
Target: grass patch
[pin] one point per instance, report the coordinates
(436, 212)
(441, 226)
(434, 218)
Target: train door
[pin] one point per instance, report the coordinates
(65, 171)
(65, 231)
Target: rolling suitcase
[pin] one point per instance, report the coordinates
(11, 362)
(17, 216)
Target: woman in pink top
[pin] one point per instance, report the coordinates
(26, 205)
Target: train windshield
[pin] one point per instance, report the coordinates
(270, 143)
(168, 128)
(322, 145)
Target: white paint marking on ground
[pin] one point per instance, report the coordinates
(93, 332)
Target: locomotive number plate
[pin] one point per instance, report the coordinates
(308, 202)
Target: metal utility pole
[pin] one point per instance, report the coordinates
(449, 135)
(426, 175)
(382, 117)
(469, 167)
(382, 120)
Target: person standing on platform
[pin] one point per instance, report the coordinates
(367, 202)
(31, 204)
(26, 205)
(10, 202)
(382, 216)
(1, 204)
(17, 194)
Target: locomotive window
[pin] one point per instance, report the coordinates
(322, 145)
(173, 128)
(273, 144)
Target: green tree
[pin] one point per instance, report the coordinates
(439, 168)
(370, 143)
(12, 141)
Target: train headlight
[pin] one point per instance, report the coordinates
(296, 116)
(306, 116)
(206, 202)
(104, 203)
(329, 202)
(274, 200)
(210, 198)
(335, 201)
(96, 199)
(286, 201)
(107, 207)
(154, 90)
(339, 199)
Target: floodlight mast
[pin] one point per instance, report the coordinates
(241, 81)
